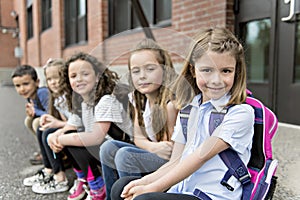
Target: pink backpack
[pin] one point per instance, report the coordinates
(258, 177)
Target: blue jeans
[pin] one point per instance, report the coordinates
(119, 159)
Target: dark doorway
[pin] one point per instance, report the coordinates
(272, 48)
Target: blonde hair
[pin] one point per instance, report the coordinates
(158, 111)
(62, 90)
(218, 40)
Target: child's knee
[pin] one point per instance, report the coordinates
(124, 158)
(28, 124)
(35, 124)
(107, 151)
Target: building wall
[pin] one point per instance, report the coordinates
(7, 41)
(187, 17)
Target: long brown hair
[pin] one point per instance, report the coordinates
(158, 111)
(217, 40)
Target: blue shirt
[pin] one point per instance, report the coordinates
(41, 101)
(236, 129)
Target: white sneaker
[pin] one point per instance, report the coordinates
(40, 176)
(73, 188)
(79, 190)
(50, 187)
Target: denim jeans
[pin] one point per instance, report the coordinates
(119, 159)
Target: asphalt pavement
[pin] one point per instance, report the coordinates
(17, 145)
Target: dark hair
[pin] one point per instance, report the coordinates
(25, 70)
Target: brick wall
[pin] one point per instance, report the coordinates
(187, 17)
(7, 41)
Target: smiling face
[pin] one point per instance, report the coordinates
(82, 78)
(215, 74)
(146, 72)
(26, 86)
(53, 78)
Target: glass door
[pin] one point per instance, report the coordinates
(270, 31)
(256, 28)
(288, 78)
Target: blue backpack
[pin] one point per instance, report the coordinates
(258, 177)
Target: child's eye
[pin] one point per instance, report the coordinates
(135, 71)
(152, 67)
(73, 76)
(227, 71)
(205, 70)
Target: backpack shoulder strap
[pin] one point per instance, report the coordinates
(216, 118)
(184, 117)
(235, 165)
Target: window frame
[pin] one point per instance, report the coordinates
(29, 16)
(132, 22)
(76, 30)
(46, 8)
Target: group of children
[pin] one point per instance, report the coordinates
(78, 116)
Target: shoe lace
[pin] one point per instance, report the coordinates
(97, 194)
(79, 185)
(41, 176)
(49, 181)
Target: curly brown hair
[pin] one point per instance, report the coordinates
(105, 85)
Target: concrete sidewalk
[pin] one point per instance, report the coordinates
(287, 151)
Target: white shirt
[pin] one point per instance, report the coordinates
(108, 109)
(236, 129)
(147, 118)
(61, 106)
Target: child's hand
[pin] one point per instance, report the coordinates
(53, 142)
(135, 188)
(163, 149)
(48, 121)
(30, 109)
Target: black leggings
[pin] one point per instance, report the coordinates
(53, 160)
(86, 157)
(118, 186)
(56, 164)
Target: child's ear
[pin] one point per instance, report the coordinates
(37, 82)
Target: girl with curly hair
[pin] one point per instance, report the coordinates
(93, 85)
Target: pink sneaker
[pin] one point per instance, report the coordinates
(97, 194)
(79, 191)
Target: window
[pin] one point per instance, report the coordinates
(256, 36)
(297, 56)
(75, 22)
(29, 21)
(122, 15)
(46, 14)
